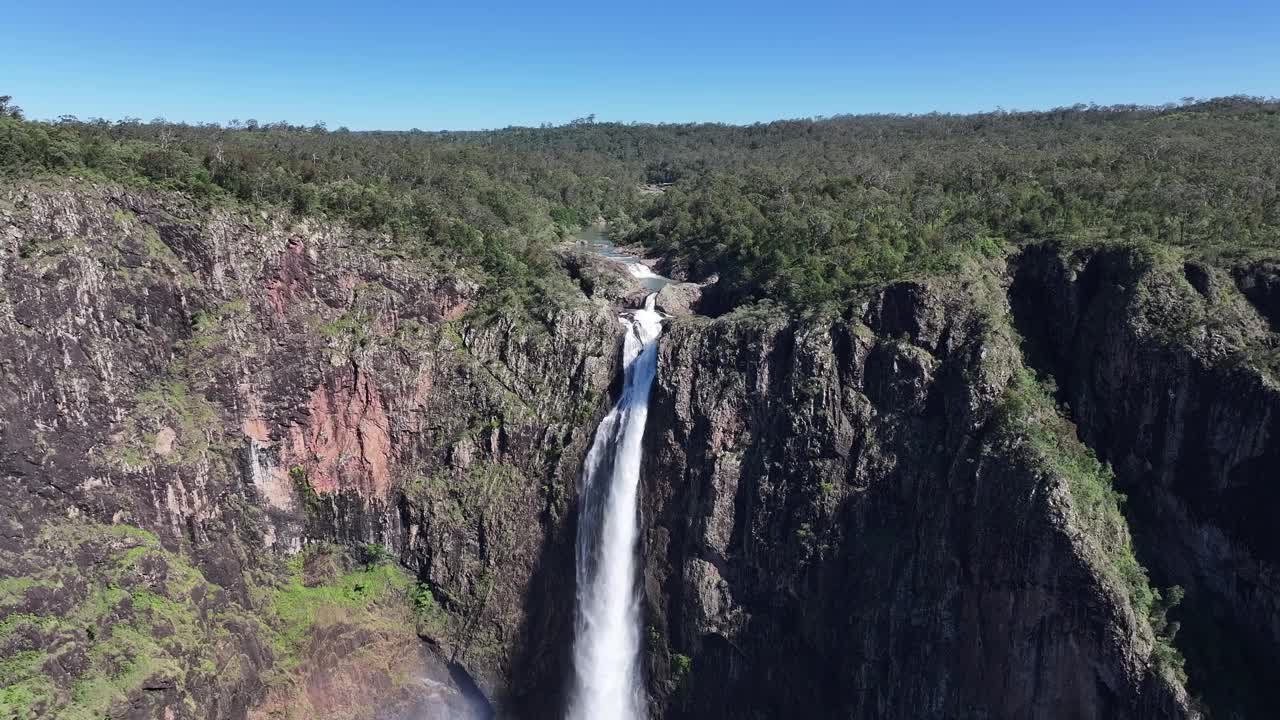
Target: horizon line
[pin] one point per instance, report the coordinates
(590, 118)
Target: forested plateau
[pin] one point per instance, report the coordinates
(954, 416)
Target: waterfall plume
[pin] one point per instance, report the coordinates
(606, 651)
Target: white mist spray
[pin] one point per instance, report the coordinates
(606, 650)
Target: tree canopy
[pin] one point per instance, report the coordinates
(800, 211)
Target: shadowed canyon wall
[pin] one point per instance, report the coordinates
(876, 514)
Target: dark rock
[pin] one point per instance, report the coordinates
(838, 530)
(838, 520)
(1165, 381)
(1260, 283)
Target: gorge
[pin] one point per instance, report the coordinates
(844, 448)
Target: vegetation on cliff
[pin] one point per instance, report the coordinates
(98, 617)
(96, 613)
(486, 210)
(794, 215)
(1030, 415)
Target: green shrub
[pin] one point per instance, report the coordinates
(374, 554)
(427, 611)
(681, 669)
(1029, 411)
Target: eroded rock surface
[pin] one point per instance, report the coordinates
(1171, 372)
(843, 526)
(854, 515)
(242, 385)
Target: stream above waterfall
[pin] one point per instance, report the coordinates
(595, 238)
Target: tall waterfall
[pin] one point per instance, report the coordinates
(606, 649)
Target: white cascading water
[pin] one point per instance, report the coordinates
(606, 648)
(642, 271)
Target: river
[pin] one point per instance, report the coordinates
(595, 238)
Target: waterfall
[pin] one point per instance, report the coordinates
(641, 271)
(606, 649)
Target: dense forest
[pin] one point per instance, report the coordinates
(798, 211)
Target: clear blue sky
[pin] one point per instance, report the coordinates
(467, 64)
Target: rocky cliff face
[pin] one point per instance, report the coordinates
(880, 514)
(848, 526)
(1170, 370)
(241, 385)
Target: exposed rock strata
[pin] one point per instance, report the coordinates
(841, 527)
(237, 383)
(842, 520)
(1170, 369)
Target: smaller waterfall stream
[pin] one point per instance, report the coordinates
(606, 650)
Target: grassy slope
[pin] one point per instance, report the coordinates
(95, 616)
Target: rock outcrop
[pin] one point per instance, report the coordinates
(1170, 369)
(217, 427)
(598, 277)
(679, 299)
(845, 525)
(244, 385)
